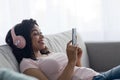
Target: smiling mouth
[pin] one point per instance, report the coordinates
(41, 42)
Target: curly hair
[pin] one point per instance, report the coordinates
(24, 29)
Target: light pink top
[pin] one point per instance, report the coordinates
(53, 65)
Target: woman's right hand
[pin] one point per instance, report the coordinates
(72, 59)
(71, 52)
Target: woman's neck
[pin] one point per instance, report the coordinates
(37, 54)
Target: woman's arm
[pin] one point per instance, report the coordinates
(72, 57)
(78, 63)
(35, 73)
(68, 72)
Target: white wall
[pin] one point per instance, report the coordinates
(96, 20)
(111, 19)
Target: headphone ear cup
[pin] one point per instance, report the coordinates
(18, 41)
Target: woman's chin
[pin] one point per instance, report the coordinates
(42, 47)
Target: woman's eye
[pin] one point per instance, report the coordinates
(40, 33)
(36, 34)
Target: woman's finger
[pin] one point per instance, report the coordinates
(69, 43)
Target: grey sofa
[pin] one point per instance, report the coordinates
(100, 56)
(103, 55)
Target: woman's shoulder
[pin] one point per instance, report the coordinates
(27, 63)
(26, 60)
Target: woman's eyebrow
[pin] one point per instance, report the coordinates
(35, 30)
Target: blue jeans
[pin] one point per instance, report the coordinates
(111, 74)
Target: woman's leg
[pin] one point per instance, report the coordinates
(111, 74)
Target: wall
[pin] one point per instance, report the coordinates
(111, 19)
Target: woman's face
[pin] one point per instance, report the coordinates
(37, 39)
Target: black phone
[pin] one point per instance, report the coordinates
(74, 36)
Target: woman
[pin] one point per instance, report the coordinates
(34, 58)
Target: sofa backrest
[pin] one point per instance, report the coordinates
(55, 43)
(103, 55)
(7, 59)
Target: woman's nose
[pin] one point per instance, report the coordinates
(41, 36)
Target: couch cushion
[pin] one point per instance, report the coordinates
(7, 74)
(57, 43)
(7, 59)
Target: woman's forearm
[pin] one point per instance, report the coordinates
(67, 72)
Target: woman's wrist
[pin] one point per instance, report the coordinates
(78, 63)
(71, 63)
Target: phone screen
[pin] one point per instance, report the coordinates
(74, 36)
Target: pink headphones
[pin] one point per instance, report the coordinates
(18, 41)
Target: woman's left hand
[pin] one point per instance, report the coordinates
(79, 54)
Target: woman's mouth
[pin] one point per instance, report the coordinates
(41, 42)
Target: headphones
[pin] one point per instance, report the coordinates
(18, 41)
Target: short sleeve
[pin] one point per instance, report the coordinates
(26, 64)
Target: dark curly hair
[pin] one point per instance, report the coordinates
(24, 29)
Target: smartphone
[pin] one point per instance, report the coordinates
(74, 36)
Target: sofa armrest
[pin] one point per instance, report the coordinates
(103, 55)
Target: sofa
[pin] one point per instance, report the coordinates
(100, 56)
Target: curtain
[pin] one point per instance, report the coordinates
(95, 20)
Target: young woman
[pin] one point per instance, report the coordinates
(34, 58)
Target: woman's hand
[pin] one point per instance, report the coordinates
(79, 54)
(72, 58)
(72, 52)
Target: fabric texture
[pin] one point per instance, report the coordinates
(7, 59)
(30, 64)
(53, 65)
(7, 74)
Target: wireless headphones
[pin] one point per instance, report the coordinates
(18, 41)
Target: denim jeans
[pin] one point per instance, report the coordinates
(111, 74)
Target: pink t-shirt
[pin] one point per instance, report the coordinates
(53, 65)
